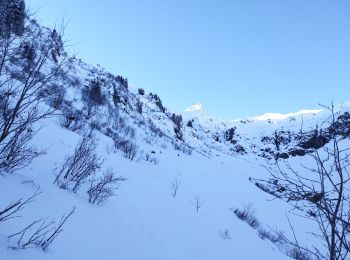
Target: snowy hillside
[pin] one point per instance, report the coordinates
(175, 184)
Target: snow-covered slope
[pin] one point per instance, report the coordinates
(144, 221)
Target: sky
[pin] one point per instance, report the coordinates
(239, 58)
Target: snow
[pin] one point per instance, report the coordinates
(144, 221)
(279, 116)
(196, 107)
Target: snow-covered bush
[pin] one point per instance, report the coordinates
(122, 81)
(177, 120)
(12, 17)
(54, 95)
(229, 135)
(40, 233)
(182, 147)
(158, 102)
(93, 96)
(139, 106)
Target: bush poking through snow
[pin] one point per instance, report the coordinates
(40, 233)
(288, 247)
(175, 185)
(128, 148)
(12, 18)
(197, 203)
(79, 166)
(183, 147)
(151, 159)
(225, 234)
(11, 210)
(296, 253)
(103, 188)
(71, 119)
(247, 214)
(122, 81)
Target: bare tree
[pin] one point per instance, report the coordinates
(175, 185)
(79, 166)
(321, 193)
(27, 69)
(103, 188)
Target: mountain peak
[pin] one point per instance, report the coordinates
(196, 107)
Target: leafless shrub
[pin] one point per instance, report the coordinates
(71, 119)
(93, 96)
(26, 72)
(15, 153)
(40, 233)
(197, 203)
(275, 236)
(247, 214)
(79, 166)
(296, 253)
(288, 247)
(128, 148)
(152, 159)
(225, 234)
(175, 185)
(103, 188)
(179, 146)
(155, 131)
(129, 131)
(57, 230)
(118, 123)
(11, 211)
(54, 95)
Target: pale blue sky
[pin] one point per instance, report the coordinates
(239, 58)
